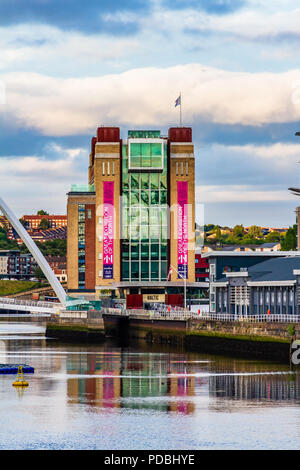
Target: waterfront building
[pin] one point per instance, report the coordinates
(15, 265)
(201, 267)
(270, 287)
(136, 217)
(55, 221)
(230, 278)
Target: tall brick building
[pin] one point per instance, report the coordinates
(136, 217)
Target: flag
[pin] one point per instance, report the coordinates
(169, 273)
(178, 101)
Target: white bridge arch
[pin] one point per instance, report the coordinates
(36, 253)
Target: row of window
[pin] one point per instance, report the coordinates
(144, 198)
(144, 181)
(182, 168)
(144, 251)
(144, 271)
(81, 246)
(144, 215)
(108, 168)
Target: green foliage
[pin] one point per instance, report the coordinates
(273, 237)
(14, 287)
(42, 212)
(291, 330)
(255, 232)
(290, 240)
(238, 231)
(44, 224)
(209, 227)
(38, 273)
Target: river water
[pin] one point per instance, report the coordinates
(141, 397)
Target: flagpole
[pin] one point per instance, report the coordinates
(180, 111)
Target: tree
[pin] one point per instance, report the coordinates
(290, 240)
(44, 224)
(255, 232)
(42, 212)
(238, 231)
(217, 231)
(38, 273)
(273, 237)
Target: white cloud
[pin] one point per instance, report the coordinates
(42, 183)
(42, 44)
(239, 194)
(146, 96)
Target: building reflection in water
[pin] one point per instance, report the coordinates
(255, 387)
(129, 380)
(172, 382)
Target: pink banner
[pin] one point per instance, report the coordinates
(182, 228)
(108, 229)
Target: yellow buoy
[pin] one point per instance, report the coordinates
(20, 382)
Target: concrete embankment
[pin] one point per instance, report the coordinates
(76, 326)
(266, 340)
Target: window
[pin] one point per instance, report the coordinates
(146, 155)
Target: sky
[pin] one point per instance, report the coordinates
(69, 67)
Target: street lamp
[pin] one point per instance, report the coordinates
(184, 279)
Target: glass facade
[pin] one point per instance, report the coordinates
(144, 214)
(81, 246)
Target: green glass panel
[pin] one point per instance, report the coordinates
(156, 149)
(134, 180)
(145, 180)
(163, 215)
(164, 234)
(125, 216)
(135, 149)
(163, 271)
(125, 271)
(155, 162)
(125, 198)
(125, 251)
(154, 180)
(138, 134)
(134, 216)
(154, 270)
(145, 198)
(154, 215)
(125, 234)
(163, 181)
(134, 232)
(145, 270)
(154, 251)
(154, 232)
(134, 198)
(125, 181)
(135, 156)
(144, 232)
(134, 270)
(145, 155)
(124, 151)
(144, 251)
(164, 251)
(144, 216)
(154, 197)
(135, 251)
(163, 197)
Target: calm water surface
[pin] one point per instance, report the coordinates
(109, 397)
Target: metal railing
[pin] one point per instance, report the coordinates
(29, 303)
(277, 318)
